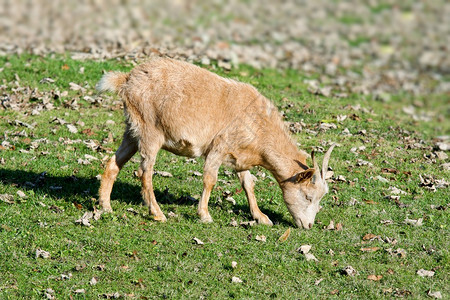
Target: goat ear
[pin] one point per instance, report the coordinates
(305, 175)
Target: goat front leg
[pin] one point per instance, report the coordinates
(126, 150)
(248, 184)
(210, 170)
(148, 161)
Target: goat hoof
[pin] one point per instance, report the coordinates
(106, 210)
(161, 218)
(265, 221)
(206, 219)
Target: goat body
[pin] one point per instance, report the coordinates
(189, 111)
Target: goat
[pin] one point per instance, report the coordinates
(189, 111)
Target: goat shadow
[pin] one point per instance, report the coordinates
(73, 189)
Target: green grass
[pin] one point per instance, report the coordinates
(142, 258)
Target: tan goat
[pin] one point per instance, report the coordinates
(190, 111)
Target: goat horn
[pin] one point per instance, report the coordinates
(326, 158)
(316, 166)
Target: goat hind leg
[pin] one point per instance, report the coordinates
(126, 150)
(148, 195)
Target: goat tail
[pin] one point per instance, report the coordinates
(112, 82)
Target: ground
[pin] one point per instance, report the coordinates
(383, 230)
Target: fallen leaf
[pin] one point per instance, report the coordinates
(402, 293)
(334, 292)
(415, 223)
(236, 279)
(93, 281)
(370, 237)
(80, 267)
(163, 173)
(42, 253)
(389, 171)
(66, 277)
(7, 198)
(132, 210)
(331, 225)
(349, 270)
(261, 238)
(233, 223)
(285, 235)
(304, 249)
(85, 219)
(233, 264)
(318, 281)
(21, 194)
(49, 294)
(370, 249)
(247, 224)
(370, 201)
(387, 222)
(436, 294)
(310, 256)
(390, 271)
(382, 179)
(399, 252)
(338, 227)
(171, 214)
(425, 273)
(72, 128)
(198, 241)
(80, 291)
(374, 277)
(115, 295)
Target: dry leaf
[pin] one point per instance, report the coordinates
(7, 198)
(338, 226)
(318, 281)
(334, 292)
(370, 201)
(84, 220)
(93, 281)
(370, 249)
(350, 271)
(80, 291)
(163, 173)
(236, 279)
(198, 241)
(331, 225)
(370, 237)
(436, 294)
(399, 252)
(171, 214)
(261, 238)
(21, 194)
(310, 256)
(304, 249)
(374, 277)
(247, 224)
(425, 273)
(285, 235)
(416, 223)
(66, 277)
(42, 253)
(233, 264)
(72, 128)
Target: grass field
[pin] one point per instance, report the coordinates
(56, 137)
